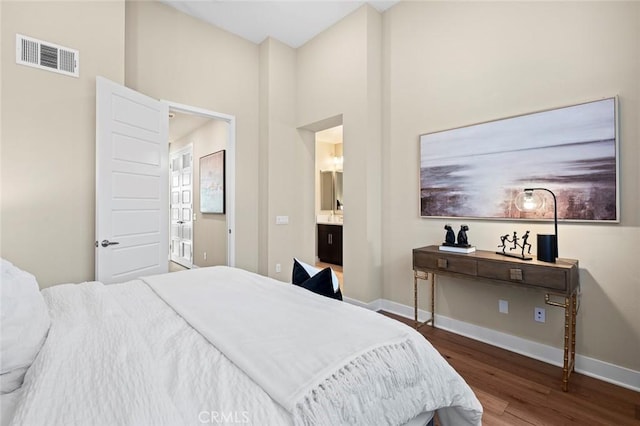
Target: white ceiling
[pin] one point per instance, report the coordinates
(332, 135)
(293, 22)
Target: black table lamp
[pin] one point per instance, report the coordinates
(547, 244)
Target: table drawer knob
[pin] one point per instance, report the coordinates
(442, 263)
(515, 274)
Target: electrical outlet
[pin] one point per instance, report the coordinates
(503, 306)
(205, 255)
(539, 314)
(278, 267)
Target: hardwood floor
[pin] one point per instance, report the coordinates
(174, 267)
(336, 268)
(516, 390)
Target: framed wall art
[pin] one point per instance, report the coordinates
(212, 183)
(477, 171)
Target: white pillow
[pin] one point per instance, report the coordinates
(312, 270)
(24, 323)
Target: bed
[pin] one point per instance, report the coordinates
(222, 345)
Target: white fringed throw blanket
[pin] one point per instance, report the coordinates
(324, 361)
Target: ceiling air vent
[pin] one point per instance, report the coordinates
(47, 56)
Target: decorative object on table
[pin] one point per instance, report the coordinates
(547, 245)
(515, 244)
(212, 183)
(462, 237)
(450, 237)
(574, 149)
(462, 245)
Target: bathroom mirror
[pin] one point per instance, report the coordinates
(339, 204)
(331, 191)
(326, 190)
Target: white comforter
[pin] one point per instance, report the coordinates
(120, 355)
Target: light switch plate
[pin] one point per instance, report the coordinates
(282, 220)
(503, 306)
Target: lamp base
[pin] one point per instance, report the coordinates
(547, 248)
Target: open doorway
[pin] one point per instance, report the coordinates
(329, 199)
(199, 238)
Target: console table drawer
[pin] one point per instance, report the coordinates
(535, 276)
(445, 263)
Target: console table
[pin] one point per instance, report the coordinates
(560, 279)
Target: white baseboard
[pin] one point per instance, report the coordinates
(592, 367)
(376, 305)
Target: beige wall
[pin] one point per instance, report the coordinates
(453, 64)
(48, 136)
(287, 172)
(175, 57)
(209, 230)
(339, 74)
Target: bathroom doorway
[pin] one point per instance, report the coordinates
(330, 203)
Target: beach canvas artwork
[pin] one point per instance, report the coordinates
(478, 170)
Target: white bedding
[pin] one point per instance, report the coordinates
(121, 355)
(312, 354)
(24, 323)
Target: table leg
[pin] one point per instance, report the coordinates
(415, 298)
(433, 300)
(567, 325)
(419, 275)
(574, 312)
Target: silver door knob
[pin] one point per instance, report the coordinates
(106, 243)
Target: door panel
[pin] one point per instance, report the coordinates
(135, 223)
(136, 150)
(182, 207)
(136, 258)
(135, 111)
(131, 184)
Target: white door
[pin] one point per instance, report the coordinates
(181, 163)
(132, 223)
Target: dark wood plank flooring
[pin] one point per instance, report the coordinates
(517, 390)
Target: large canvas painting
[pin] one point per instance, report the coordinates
(477, 171)
(212, 183)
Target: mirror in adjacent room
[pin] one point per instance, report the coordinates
(331, 191)
(329, 165)
(326, 190)
(339, 207)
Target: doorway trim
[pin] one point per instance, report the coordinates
(230, 168)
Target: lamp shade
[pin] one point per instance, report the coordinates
(529, 200)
